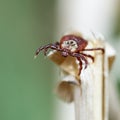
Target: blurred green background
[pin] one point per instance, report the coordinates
(25, 83)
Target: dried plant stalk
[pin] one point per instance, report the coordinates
(89, 91)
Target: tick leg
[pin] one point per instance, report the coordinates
(80, 65)
(54, 46)
(89, 56)
(51, 46)
(85, 60)
(80, 58)
(101, 49)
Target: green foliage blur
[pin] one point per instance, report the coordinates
(25, 83)
(116, 43)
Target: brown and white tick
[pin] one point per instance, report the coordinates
(71, 45)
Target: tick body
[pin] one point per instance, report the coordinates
(71, 45)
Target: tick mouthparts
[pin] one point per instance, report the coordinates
(65, 54)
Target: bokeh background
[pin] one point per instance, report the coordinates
(26, 84)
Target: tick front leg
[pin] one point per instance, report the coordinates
(54, 46)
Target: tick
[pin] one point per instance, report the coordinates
(71, 45)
